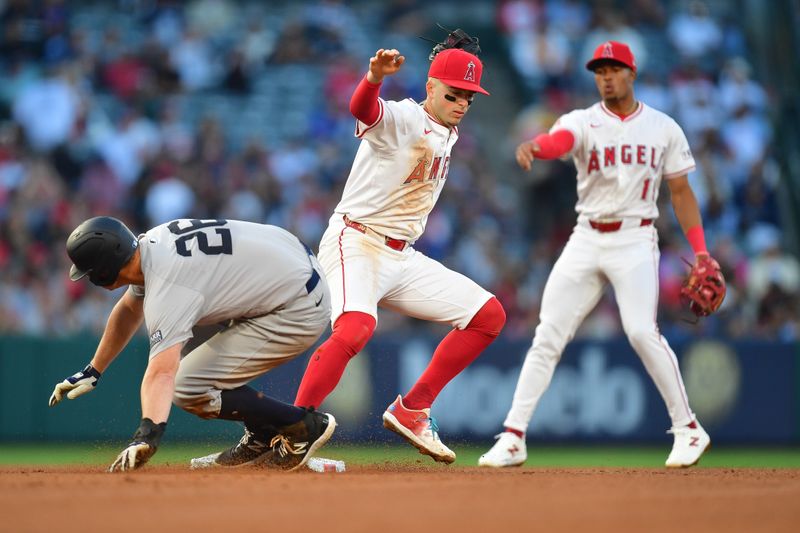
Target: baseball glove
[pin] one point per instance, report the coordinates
(457, 38)
(704, 288)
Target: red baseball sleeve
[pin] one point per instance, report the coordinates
(554, 145)
(364, 102)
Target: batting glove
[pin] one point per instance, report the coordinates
(144, 446)
(75, 385)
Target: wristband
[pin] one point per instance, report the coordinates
(150, 432)
(92, 371)
(697, 239)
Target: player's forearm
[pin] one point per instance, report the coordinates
(553, 145)
(686, 209)
(364, 102)
(157, 393)
(687, 212)
(158, 384)
(124, 320)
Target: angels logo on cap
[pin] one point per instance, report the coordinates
(613, 51)
(470, 75)
(458, 68)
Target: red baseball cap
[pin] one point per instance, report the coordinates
(612, 51)
(458, 69)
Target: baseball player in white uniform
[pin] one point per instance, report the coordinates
(367, 252)
(622, 149)
(260, 280)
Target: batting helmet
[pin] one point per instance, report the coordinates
(99, 248)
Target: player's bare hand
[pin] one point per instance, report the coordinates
(526, 154)
(384, 63)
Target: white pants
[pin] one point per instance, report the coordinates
(628, 259)
(364, 273)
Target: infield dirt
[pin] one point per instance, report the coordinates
(404, 498)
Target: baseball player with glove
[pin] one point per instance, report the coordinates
(259, 280)
(367, 251)
(622, 149)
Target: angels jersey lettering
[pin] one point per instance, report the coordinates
(399, 170)
(621, 162)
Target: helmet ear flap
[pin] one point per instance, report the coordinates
(103, 276)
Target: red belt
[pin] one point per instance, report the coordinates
(608, 227)
(394, 244)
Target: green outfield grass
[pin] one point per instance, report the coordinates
(380, 454)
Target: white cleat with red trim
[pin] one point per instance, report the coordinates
(419, 428)
(509, 450)
(690, 443)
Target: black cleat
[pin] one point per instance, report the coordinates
(292, 447)
(250, 450)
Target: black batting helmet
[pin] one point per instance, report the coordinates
(99, 248)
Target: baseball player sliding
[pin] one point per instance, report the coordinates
(260, 280)
(622, 149)
(367, 251)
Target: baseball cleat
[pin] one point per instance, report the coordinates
(509, 450)
(419, 428)
(295, 444)
(690, 444)
(250, 450)
(315, 464)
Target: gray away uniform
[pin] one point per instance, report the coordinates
(260, 279)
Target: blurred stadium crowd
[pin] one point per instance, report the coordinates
(154, 109)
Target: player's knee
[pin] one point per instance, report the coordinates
(549, 340)
(191, 403)
(639, 335)
(194, 401)
(490, 319)
(352, 331)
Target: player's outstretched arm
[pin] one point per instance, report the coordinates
(158, 383)
(158, 389)
(544, 146)
(364, 103)
(526, 153)
(384, 63)
(124, 320)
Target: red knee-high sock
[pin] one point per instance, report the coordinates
(351, 332)
(456, 351)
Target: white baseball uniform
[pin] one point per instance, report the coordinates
(259, 278)
(620, 165)
(396, 178)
